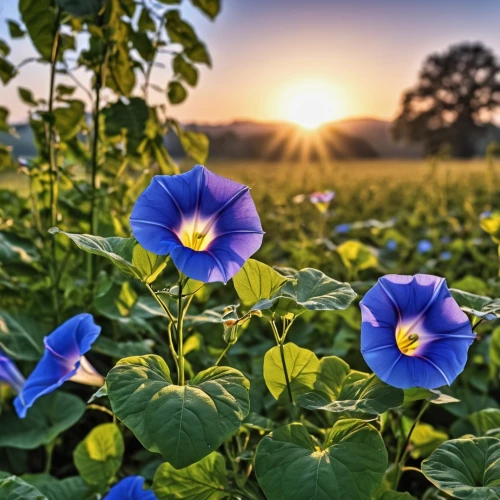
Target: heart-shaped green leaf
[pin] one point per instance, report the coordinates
(466, 468)
(301, 364)
(49, 417)
(21, 337)
(99, 456)
(486, 421)
(14, 488)
(289, 465)
(480, 306)
(183, 423)
(206, 479)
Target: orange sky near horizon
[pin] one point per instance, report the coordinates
(364, 53)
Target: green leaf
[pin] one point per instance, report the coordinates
(288, 464)
(17, 250)
(198, 53)
(256, 281)
(7, 71)
(176, 92)
(14, 488)
(179, 31)
(183, 423)
(81, 8)
(121, 70)
(185, 70)
(114, 300)
(149, 264)
(368, 395)
(117, 250)
(432, 395)
(480, 306)
(49, 417)
(39, 17)
(15, 30)
(485, 421)
(20, 337)
(146, 22)
(64, 90)
(118, 350)
(69, 119)
(99, 456)
(494, 353)
(210, 7)
(204, 480)
(357, 256)
(4, 127)
(426, 439)
(73, 488)
(26, 96)
(396, 495)
(302, 368)
(332, 373)
(466, 468)
(4, 50)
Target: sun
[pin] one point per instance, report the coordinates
(311, 104)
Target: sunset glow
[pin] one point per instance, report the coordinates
(312, 104)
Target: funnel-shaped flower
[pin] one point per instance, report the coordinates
(10, 374)
(130, 488)
(62, 360)
(322, 199)
(413, 332)
(208, 224)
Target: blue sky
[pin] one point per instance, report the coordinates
(367, 51)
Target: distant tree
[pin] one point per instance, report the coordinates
(457, 95)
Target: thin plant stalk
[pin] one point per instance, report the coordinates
(180, 336)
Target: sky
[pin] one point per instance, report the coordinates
(360, 54)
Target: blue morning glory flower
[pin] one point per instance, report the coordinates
(413, 333)
(424, 246)
(391, 245)
(446, 255)
(62, 360)
(343, 228)
(208, 224)
(130, 488)
(10, 374)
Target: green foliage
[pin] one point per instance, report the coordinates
(49, 417)
(176, 93)
(288, 464)
(205, 479)
(183, 423)
(14, 488)
(99, 456)
(20, 336)
(466, 468)
(39, 17)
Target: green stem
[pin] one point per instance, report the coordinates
(403, 452)
(223, 353)
(180, 336)
(49, 449)
(279, 341)
(172, 323)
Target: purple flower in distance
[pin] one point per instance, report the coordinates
(130, 488)
(424, 246)
(62, 360)
(391, 245)
(413, 333)
(321, 196)
(10, 374)
(208, 224)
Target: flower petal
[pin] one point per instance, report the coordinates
(10, 374)
(130, 488)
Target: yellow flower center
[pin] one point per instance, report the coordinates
(196, 234)
(407, 341)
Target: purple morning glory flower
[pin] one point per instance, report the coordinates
(10, 374)
(424, 246)
(321, 196)
(343, 228)
(413, 333)
(62, 360)
(208, 224)
(130, 488)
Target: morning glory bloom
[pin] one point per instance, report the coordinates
(343, 228)
(208, 224)
(413, 333)
(391, 245)
(321, 200)
(10, 374)
(62, 360)
(424, 246)
(130, 488)
(446, 255)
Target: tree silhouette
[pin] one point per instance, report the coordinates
(457, 95)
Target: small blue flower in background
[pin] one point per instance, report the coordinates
(62, 360)
(485, 214)
(413, 333)
(10, 374)
(130, 488)
(446, 255)
(391, 245)
(343, 228)
(424, 246)
(208, 224)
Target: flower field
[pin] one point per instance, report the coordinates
(269, 375)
